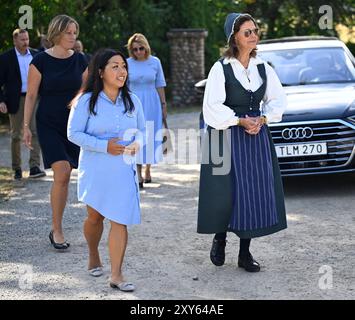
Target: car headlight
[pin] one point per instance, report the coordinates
(352, 119)
(352, 106)
(352, 110)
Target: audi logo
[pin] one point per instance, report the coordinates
(297, 133)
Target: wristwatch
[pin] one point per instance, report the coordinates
(264, 119)
(237, 122)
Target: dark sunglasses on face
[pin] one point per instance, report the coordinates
(247, 32)
(138, 49)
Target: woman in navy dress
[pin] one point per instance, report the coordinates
(147, 81)
(244, 193)
(56, 75)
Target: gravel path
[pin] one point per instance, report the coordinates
(166, 258)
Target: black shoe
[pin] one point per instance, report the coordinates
(147, 180)
(217, 254)
(248, 263)
(36, 172)
(141, 185)
(18, 174)
(59, 246)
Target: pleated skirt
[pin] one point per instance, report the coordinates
(253, 195)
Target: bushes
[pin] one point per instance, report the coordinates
(110, 23)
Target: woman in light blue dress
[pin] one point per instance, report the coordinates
(107, 122)
(146, 80)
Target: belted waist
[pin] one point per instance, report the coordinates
(242, 110)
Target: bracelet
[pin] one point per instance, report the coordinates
(25, 124)
(264, 119)
(237, 121)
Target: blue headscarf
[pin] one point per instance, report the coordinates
(230, 22)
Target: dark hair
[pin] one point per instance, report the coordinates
(232, 49)
(94, 82)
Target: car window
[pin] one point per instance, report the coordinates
(310, 66)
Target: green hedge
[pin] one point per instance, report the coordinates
(106, 23)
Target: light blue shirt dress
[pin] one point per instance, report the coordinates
(107, 183)
(144, 79)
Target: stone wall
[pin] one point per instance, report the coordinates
(187, 64)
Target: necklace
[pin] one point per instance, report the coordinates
(247, 73)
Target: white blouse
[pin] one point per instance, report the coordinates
(219, 116)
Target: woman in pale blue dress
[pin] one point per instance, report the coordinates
(146, 80)
(107, 122)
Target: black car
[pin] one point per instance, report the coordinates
(317, 132)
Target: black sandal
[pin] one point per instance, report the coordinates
(59, 246)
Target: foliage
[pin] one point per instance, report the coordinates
(105, 23)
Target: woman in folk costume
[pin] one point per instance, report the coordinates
(242, 193)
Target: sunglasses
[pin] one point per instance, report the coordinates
(138, 49)
(247, 32)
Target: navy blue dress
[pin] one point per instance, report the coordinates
(61, 80)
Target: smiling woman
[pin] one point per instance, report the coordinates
(107, 122)
(247, 198)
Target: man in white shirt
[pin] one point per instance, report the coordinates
(14, 65)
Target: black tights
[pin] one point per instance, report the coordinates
(244, 243)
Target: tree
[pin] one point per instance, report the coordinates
(106, 23)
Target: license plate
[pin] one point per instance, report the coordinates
(301, 149)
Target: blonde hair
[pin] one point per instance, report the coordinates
(58, 25)
(17, 32)
(142, 41)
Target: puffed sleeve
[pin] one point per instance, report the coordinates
(215, 113)
(77, 122)
(274, 101)
(160, 79)
(38, 61)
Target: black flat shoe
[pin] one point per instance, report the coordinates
(18, 174)
(147, 180)
(140, 185)
(248, 263)
(36, 172)
(217, 254)
(59, 246)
